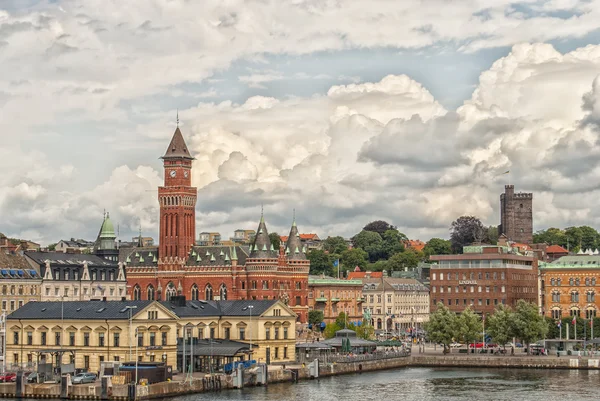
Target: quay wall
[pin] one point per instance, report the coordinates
(293, 373)
(517, 362)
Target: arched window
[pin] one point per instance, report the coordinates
(577, 281)
(558, 281)
(556, 313)
(555, 296)
(552, 282)
(575, 296)
(591, 296)
(593, 281)
(571, 281)
(150, 292)
(575, 312)
(587, 281)
(208, 292)
(195, 292)
(590, 313)
(137, 292)
(223, 292)
(171, 291)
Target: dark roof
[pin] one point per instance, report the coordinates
(177, 148)
(261, 247)
(13, 260)
(147, 256)
(315, 345)
(219, 308)
(68, 259)
(216, 348)
(218, 255)
(86, 310)
(78, 243)
(294, 249)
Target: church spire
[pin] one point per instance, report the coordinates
(294, 248)
(177, 147)
(260, 247)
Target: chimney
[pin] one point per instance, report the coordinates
(103, 299)
(123, 299)
(367, 274)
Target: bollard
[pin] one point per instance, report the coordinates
(104, 389)
(19, 384)
(64, 388)
(131, 392)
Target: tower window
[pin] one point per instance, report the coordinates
(521, 206)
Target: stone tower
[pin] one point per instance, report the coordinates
(177, 200)
(516, 215)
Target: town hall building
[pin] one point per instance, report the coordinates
(214, 272)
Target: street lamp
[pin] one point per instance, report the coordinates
(130, 307)
(249, 308)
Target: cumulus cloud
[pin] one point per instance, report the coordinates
(347, 154)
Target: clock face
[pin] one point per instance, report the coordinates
(185, 174)
(173, 173)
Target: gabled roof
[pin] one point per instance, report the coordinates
(68, 259)
(78, 310)
(415, 244)
(11, 260)
(219, 308)
(556, 249)
(303, 237)
(360, 275)
(177, 148)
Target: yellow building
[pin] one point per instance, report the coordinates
(93, 332)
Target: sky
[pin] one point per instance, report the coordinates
(344, 111)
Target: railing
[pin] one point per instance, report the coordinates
(362, 357)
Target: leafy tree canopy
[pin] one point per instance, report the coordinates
(379, 226)
(315, 317)
(500, 325)
(409, 258)
(351, 258)
(443, 326)
(437, 246)
(275, 240)
(320, 262)
(528, 324)
(335, 245)
(370, 242)
(464, 231)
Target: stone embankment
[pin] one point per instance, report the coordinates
(295, 373)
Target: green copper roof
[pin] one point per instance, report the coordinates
(212, 258)
(141, 258)
(198, 258)
(154, 259)
(221, 254)
(128, 260)
(227, 258)
(107, 230)
(234, 254)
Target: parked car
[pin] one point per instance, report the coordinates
(7, 377)
(32, 377)
(82, 378)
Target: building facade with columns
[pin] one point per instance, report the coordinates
(212, 272)
(396, 305)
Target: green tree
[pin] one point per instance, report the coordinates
(330, 330)
(409, 258)
(319, 262)
(342, 320)
(491, 235)
(552, 236)
(437, 246)
(469, 326)
(351, 258)
(315, 317)
(370, 242)
(500, 325)
(528, 324)
(379, 226)
(335, 245)
(378, 266)
(443, 326)
(464, 231)
(275, 240)
(393, 243)
(590, 239)
(52, 247)
(365, 331)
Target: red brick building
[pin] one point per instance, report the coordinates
(483, 277)
(178, 267)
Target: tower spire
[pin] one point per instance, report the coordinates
(294, 221)
(177, 117)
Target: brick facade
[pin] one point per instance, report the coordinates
(483, 280)
(179, 267)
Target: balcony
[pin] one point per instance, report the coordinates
(335, 300)
(321, 299)
(360, 299)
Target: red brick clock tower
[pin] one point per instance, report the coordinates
(177, 200)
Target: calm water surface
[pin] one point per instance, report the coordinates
(425, 384)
